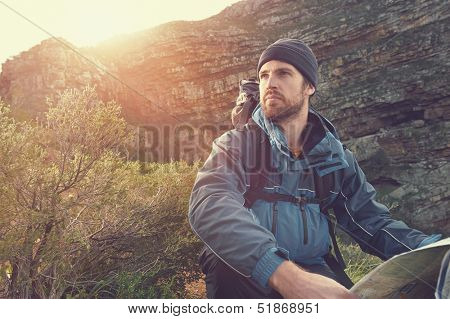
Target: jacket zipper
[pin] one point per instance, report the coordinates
(274, 218)
(304, 219)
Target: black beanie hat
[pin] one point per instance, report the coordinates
(294, 52)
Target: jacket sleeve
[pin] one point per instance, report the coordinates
(218, 217)
(370, 222)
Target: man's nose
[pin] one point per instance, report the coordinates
(272, 81)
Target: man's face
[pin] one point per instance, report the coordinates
(282, 90)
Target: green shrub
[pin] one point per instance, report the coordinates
(77, 220)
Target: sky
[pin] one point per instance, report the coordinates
(87, 22)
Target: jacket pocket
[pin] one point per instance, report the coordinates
(289, 232)
(316, 239)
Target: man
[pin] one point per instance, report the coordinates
(274, 249)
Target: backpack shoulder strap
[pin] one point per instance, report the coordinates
(323, 186)
(257, 162)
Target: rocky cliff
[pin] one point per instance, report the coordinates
(384, 82)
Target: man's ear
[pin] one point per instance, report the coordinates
(310, 90)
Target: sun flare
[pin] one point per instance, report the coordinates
(87, 22)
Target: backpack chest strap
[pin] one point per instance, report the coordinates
(254, 194)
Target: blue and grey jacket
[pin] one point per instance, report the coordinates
(247, 239)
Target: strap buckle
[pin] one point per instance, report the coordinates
(301, 200)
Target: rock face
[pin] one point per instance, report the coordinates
(384, 69)
(49, 68)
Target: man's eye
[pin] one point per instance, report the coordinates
(263, 76)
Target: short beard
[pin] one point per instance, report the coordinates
(289, 113)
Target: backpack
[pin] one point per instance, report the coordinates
(258, 164)
(246, 103)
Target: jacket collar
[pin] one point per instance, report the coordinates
(322, 150)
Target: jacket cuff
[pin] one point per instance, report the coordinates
(267, 265)
(429, 240)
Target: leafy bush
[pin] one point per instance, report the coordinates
(77, 220)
